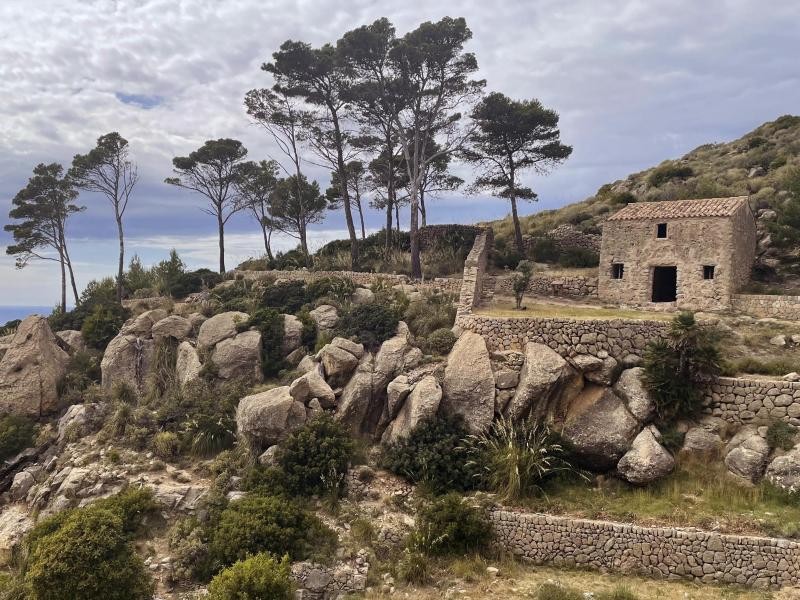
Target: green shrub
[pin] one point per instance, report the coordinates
(781, 435)
(271, 524)
(556, 591)
(86, 553)
(451, 526)
(287, 297)
(308, 337)
(132, 505)
(433, 454)
(338, 289)
(372, 324)
(517, 458)
(440, 342)
(677, 369)
(257, 577)
(618, 593)
(166, 445)
(522, 277)
(578, 258)
(622, 198)
(168, 273)
(667, 171)
(193, 282)
(103, 325)
(269, 323)
(83, 371)
(189, 550)
(545, 250)
(235, 297)
(434, 311)
(315, 457)
(16, 434)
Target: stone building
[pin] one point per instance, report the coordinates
(685, 254)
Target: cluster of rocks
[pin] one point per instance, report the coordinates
(320, 582)
(651, 551)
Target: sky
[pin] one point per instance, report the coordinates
(634, 81)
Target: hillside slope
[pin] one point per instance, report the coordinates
(764, 164)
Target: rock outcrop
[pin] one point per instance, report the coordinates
(267, 418)
(784, 471)
(599, 427)
(469, 383)
(31, 369)
(325, 316)
(127, 360)
(174, 327)
(421, 404)
(73, 339)
(219, 327)
(292, 334)
(746, 454)
(311, 386)
(647, 460)
(630, 388)
(187, 365)
(239, 357)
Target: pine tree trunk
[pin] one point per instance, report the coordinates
(121, 266)
(416, 264)
(361, 217)
(517, 229)
(221, 229)
(63, 283)
(266, 243)
(422, 207)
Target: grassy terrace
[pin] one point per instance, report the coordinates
(504, 307)
(698, 494)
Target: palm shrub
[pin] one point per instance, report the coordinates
(677, 369)
(515, 459)
(259, 576)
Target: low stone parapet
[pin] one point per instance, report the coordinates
(661, 552)
(742, 401)
(571, 286)
(774, 306)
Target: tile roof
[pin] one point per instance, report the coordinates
(679, 209)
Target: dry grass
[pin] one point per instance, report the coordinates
(467, 578)
(699, 493)
(504, 307)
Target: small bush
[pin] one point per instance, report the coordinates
(440, 342)
(451, 526)
(269, 323)
(189, 549)
(434, 311)
(287, 297)
(619, 593)
(103, 324)
(266, 524)
(16, 434)
(372, 324)
(668, 171)
(578, 258)
(522, 277)
(259, 576)
(85, 554)
(338, 289)
(166, 445)
(556, 591)
(315, 457)
(545, 250)
(622, 198)
(83, 371)
(193, 282)
(433, 454)
(781, 435)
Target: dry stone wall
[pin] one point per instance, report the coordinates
(568, 337)
(444, 284)
(651, 551)
(573, 286)
(777, 307)
(743, 401)
(474, 270)
(566, 237)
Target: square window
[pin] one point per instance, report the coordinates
(708, 271)
(617, 270)
(661, 230)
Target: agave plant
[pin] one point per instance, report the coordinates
(515, 458)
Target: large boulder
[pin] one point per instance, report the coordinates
(325, 316)
(239, 357)
(544, 378)
(73, 339)
(362, 295)
(187, 365)
(396, 393)
(599, 427)
(311, 385)
(421, 404)
(746, 454)
(174, 326)
(630, 388)
(292, 334)
(267, 418)
(31, 369)
(606, 373)
(356, 398)
(127, 360)
(142, 326)
(700, 440)
(784, 471)
(647, 460)
(219, 327)
(469, 383)
(337, 362)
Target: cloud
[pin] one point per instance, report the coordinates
(635, 82)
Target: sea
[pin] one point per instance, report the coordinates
(10, 313)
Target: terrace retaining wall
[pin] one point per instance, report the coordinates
(573, 286)
(444, 284)
(777, 307)
(742, 401)
(662, 552)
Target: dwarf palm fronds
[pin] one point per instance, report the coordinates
(514, 459)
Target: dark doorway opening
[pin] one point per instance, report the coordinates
(665, 284)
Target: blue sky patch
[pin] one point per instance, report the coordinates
(141, 100)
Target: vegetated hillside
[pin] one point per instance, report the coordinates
(764, 164)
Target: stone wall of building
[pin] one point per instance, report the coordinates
(568, 337)
(739, 400)
(474, 271)
(777, 307)
(662, 552)
(542, 284)
(444, 284)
